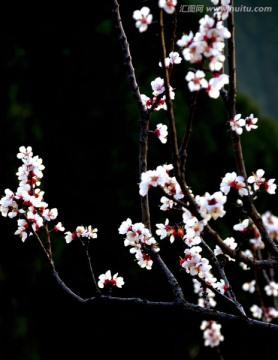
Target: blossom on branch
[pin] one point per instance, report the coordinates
(81, 232)
(211, 333)
(161, 132)
(167, 203)
(231, 243)
(173, 58)
(168, 5)
(237, 124)
(259, 182)
(216, 83)
(250, 122)
(271, 289)
(249, 286)
(232, 180)
(271, 223)
(196, 80)
(222, 11)
(27, 202)
(139, 238)
(211, 205)
(160, 177)
(107, 280)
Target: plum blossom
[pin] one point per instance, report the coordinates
(232, 180)
(211, 333)
(250, 122)
(268, 313)
(198, 289)
(271, 223)
(26, 203)
(196, 80)
(50, 214)
(211, 205)
(158, 101)
(271, 289)
(207, 44)
(237, 124)
(168, 5)
(167, 203)
(185, 40)
(143, 18)
(222, 11)
(25, 152)
(195, 264)
(22, 229)
(216, 83)
(107, 280)
(161, 132)
(160, 177)
(152, 178)
(259, 182)
(193, 229)
(257, 243)
(81, 232)
(248, 253)
(148, 102)
(256, 311)
(59, 227)
(158, 86)
(231, 243)
(139, 238)
(173, 58)
(221, 286)
(249, 286)
(163, 229)
(242, 226)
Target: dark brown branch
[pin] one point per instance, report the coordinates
(248, 202)
(172, 281)
(144, 113)
(222, 274)
(181, 307)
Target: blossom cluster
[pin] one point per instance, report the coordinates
(173, 58)
(193, 262)
(207, 44)
(81, 232)
(27, 203)
(238, 123)
(139, 238)
(211, 333)
(221, 12)
(265, 313)
(160, 177)
(158, 101)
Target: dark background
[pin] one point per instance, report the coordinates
(64, 92)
